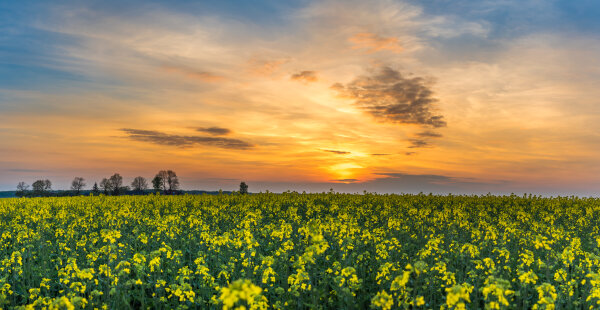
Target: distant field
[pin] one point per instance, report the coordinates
(7, 194)
(295, 251)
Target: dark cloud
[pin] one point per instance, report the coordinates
(336, 152)
(389, 96)
(429, 134)
(417, 143)
(306, 76)
(409, 153)
(380, 154)
(216, 131)
(161, 138)
(347, 180)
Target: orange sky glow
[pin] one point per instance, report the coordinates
(338, 94)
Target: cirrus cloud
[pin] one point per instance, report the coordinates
(372, 43)
(191, 73)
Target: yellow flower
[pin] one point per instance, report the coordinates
(382, 301)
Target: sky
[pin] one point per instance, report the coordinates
(384, 96)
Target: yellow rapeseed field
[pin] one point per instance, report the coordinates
(300, 251)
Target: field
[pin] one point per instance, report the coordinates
(298, 251)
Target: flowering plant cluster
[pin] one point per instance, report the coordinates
(300, 251)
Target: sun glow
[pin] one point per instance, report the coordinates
(345, 171)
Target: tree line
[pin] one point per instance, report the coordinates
(165, 181)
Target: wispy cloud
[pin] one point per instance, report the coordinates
(305, 76)
(266, 67)
(215, 131)
(347, 180)
(203, 76)
(391, 97)
(372, 43)
(417, 143)
(161, 138)
(336, 152)
(429, 134)
(25, 170)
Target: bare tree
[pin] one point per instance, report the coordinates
(139, 184)
(47, 185)
(166, 180)
(116, 182)
(22, 186)
(22, 189)
(164, 176)
(105, 186)
(78, 184)
(172, 181)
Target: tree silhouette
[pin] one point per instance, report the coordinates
(22, 189)
(47, 185)
(115, 182)
(166, 180)
(172, 181)
(243, 188)
(78, 184)
(164, 177)
(38, 186)
(139, 184)
(95, 189)
(41, 187)
(105, 186)
(157, 183)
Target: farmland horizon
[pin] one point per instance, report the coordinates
(397, 184)
(386, 96)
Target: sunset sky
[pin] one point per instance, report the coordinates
(387, 96)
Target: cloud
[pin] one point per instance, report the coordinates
(429, 134)
(215, 131)
(409, 153)
(24, 170)
(264, 67)
(389, 96)
(336, 152)
(404, 175)
(305, 76)
(374, 43)
(417, 143)
(380, 154)
(397, 182)
(347, 180)
(161, 138)
(203, 76)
